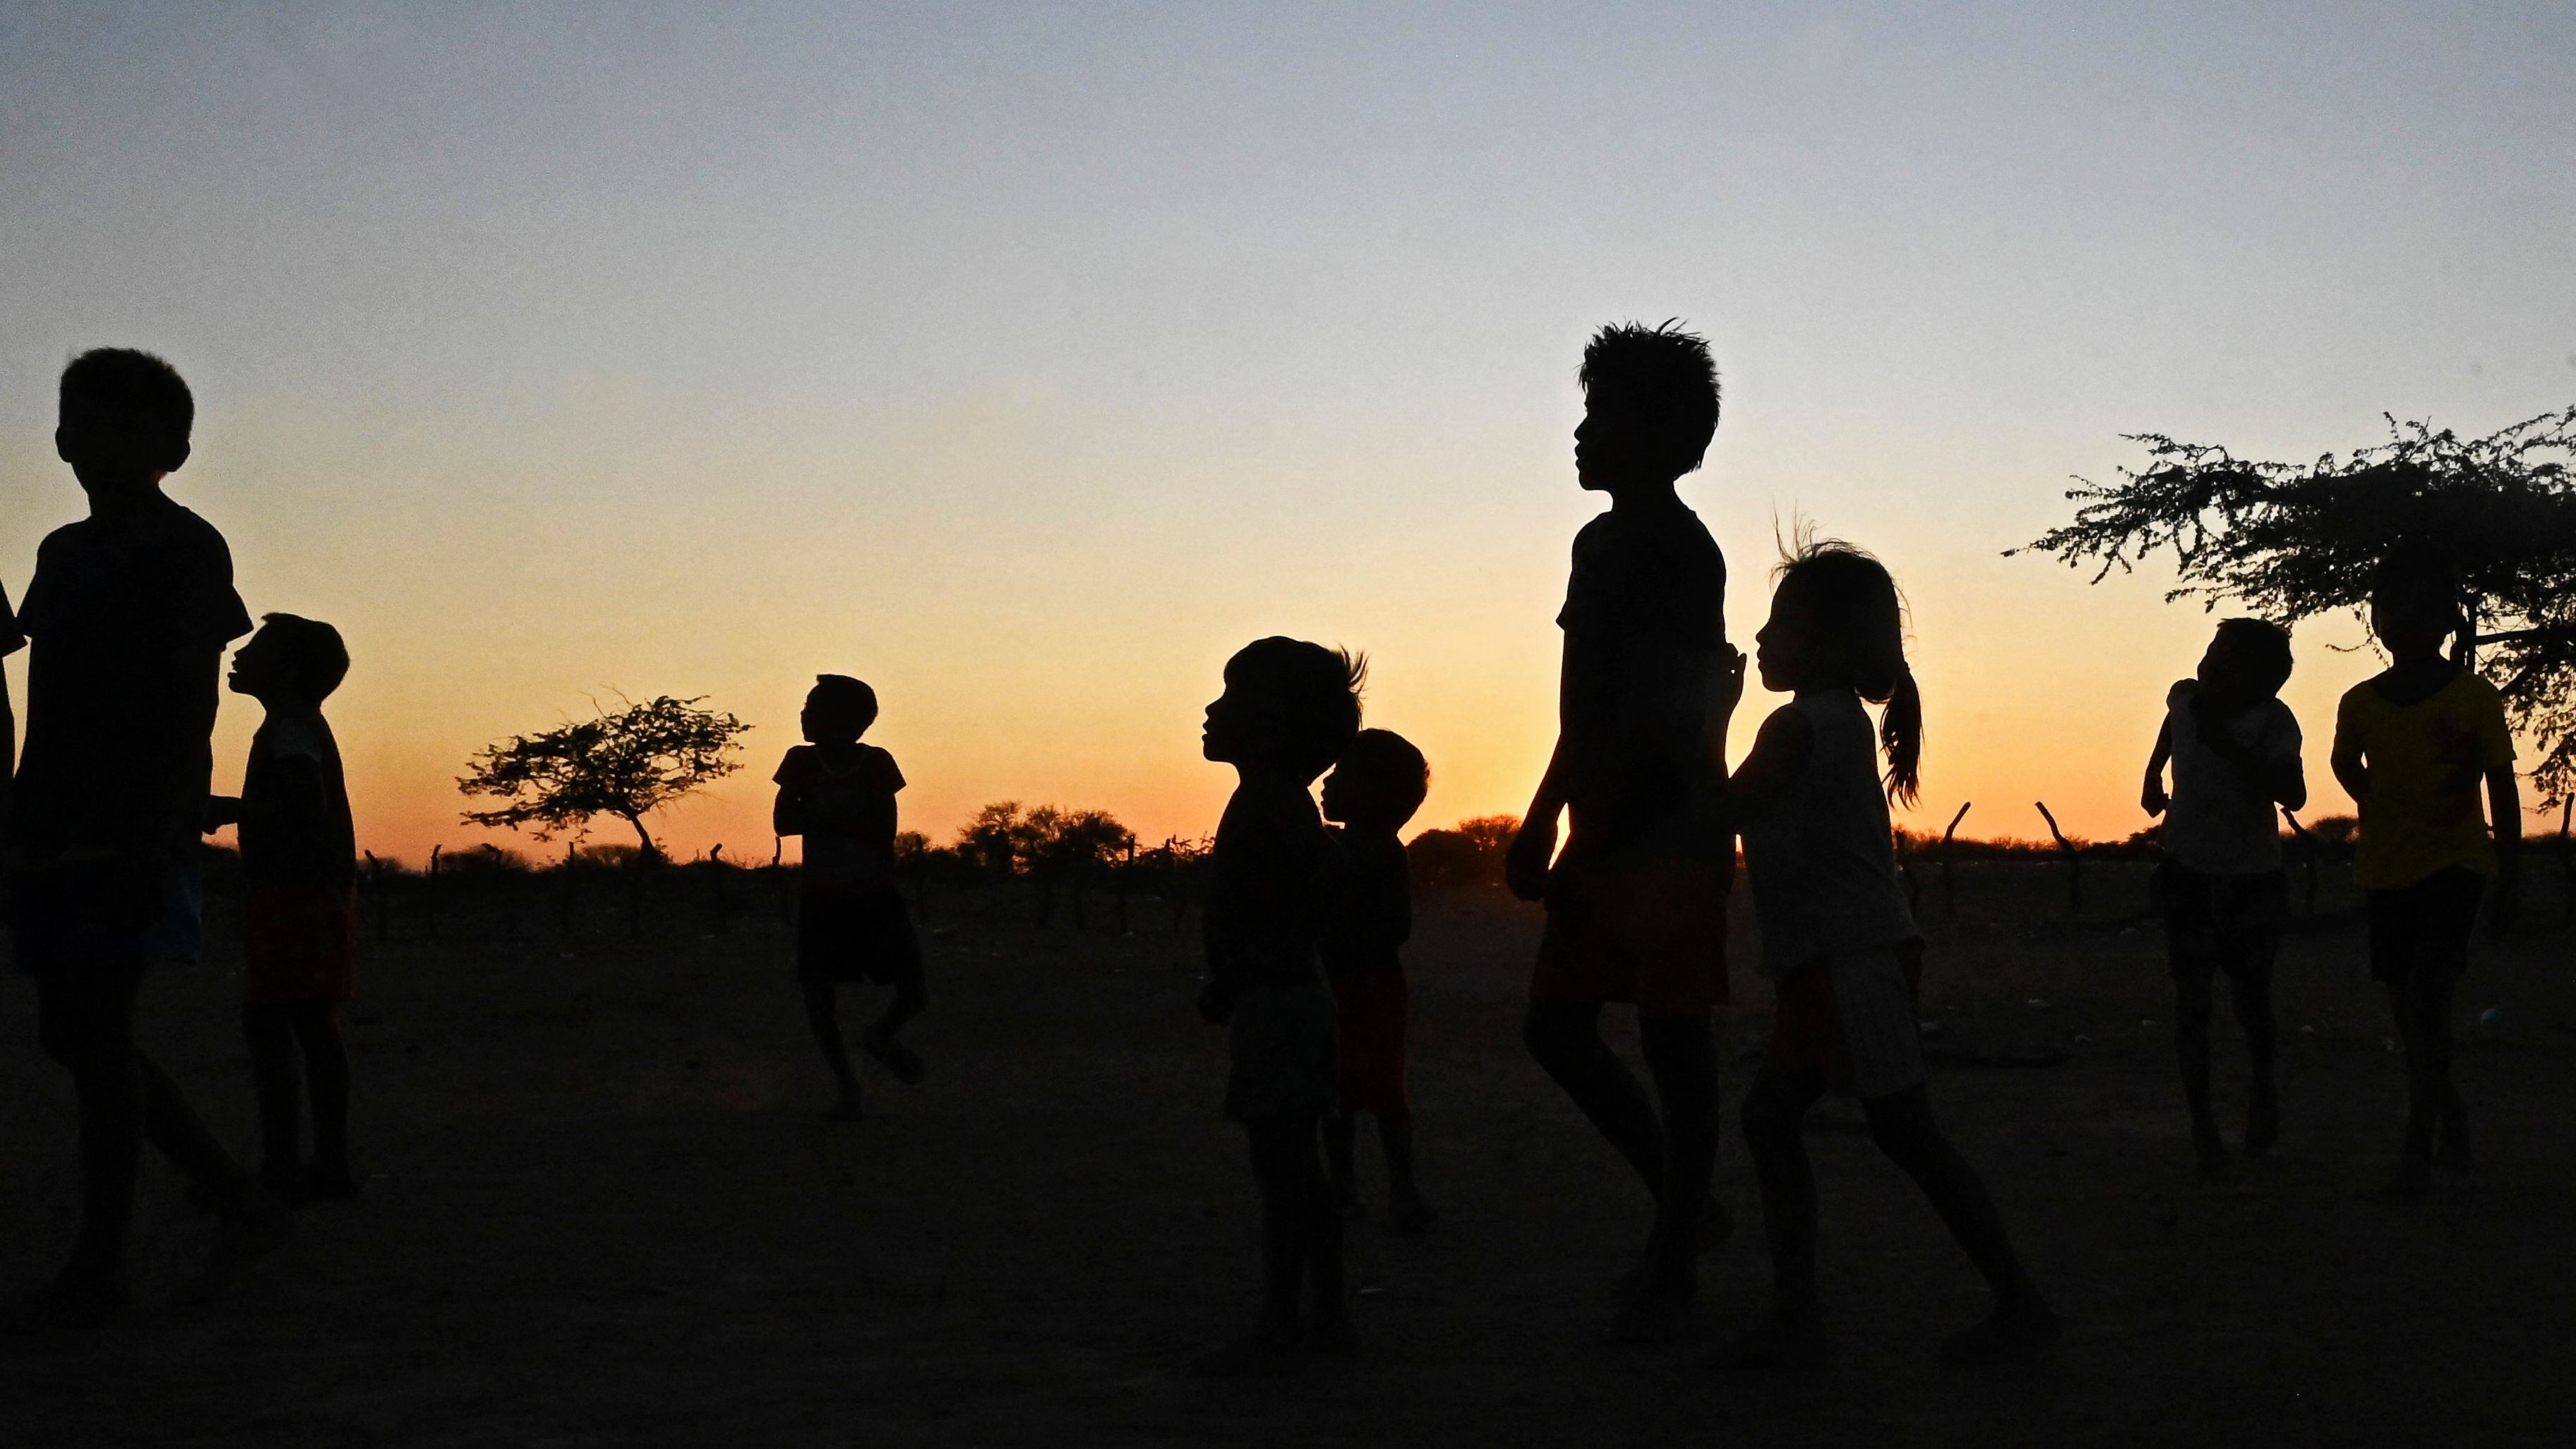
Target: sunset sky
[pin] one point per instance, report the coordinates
(1027, 360)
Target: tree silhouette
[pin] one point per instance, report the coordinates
(2290, 540)
(627, 762)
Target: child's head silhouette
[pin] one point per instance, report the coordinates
(124, 418)
(1837, 622)
(1378, 782)
(291, 660)
(2247, 660)
(1649, 406)
(838, 709)
(2415, 598)
(1288, 705)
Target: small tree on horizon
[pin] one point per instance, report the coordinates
(2291, 540)
(627, 762)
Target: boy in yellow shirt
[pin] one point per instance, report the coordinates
(2411, 746)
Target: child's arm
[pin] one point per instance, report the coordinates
(1780, 751)
(2351, 771)
(222, 810)
(787, 812)
(2504, 810)
(2152, 799)
(1525, 864)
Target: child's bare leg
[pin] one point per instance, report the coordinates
(1902, 1126)
(1328, 1327)
(1682, 1056)
(2250, 993)
(1405, 1208)
(326, 1076)
(1775, 1125)
(1285, 1173)
(2192, 1011)
(910, 997)
(278, 1081)
(1340, 1131)
(84, 1020)
(1564, 1037)
(823, 1014)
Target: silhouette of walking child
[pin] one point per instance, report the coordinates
(1840, 945)
(851, 921)
(299, 915)
(1636, 904)
(1289, 710)
(2234, 749)
(1375, 789)
(129, 612)
(2411, 746)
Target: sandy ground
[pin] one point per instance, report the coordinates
(603, 1208)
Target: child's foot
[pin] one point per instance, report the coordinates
(1657, 1312)
(2006, 1334)
(2211, 1150)
(1262, 1352)
(1410, 1216)
(72, 1303)
(331, 1182)
(893, 1055)
(2453, 1152)
(1775, 1345)
(286, 1181)
(244, 1234)
(2262, 1126)
(1332, 1335)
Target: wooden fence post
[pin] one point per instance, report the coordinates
(2074, 861)
(2309, 848)
(723, 897)
(1950, 897)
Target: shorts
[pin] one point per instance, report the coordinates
(299, 945)
(1281, 1044)
(2215, 923)
(1649, 932)
(862, 936)
(1374, 1008)
(2425, 924)
(1848, 1019)
(69, 916)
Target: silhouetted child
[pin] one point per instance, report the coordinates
(851, 921)
(2412, 745)
(130, 611)
(299, 914)
(1636, 905)
(2234, 748)
(1288, 711)
(1377, 786)
(1840, 945)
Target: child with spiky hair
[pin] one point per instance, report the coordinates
(299, 919)
(2412, 745)
(1636, 903)
(129, 613)
(1288, 712)
(851, 922)
(2234, 750)
(1371, 793)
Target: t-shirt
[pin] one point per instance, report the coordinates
(1273, 879)
(1375, 913)
(295, 824)
(848, 812)
(2427, 763)
(130, 611)
(2217, 821)
(1644, 622)
(1820, 856)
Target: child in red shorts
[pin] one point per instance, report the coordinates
(1377, 786)
(299, 916)
(851, 922)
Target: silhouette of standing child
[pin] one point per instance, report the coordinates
(129, 612)
(1840, 945)
(1375, 789)
(2234, 749)
(1288, 712)
(1636, 905)
(2412, 744)
(299, 917)
(851, 921)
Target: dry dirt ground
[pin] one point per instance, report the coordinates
(603, 1208)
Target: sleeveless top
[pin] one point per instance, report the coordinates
(1820, 858)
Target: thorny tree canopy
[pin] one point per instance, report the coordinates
(626, 762)
(2289, 540)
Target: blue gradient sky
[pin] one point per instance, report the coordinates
(1027, 360)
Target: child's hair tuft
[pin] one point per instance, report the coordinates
(1667, 369)
(1856, 605)
(129, 388)
(315, 658)
(1308, 697)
